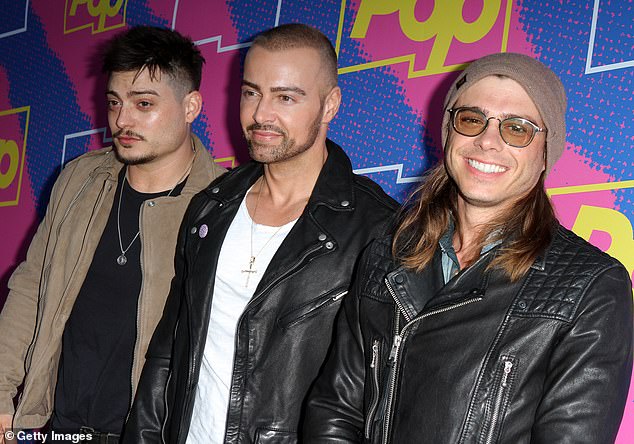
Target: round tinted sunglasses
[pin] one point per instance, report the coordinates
(515, 131)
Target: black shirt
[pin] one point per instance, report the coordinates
(94, 381)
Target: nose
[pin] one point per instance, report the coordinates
(263, 112)
(123, 118)
(490, 138)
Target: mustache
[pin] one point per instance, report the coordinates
(127, 133)
(261, 127)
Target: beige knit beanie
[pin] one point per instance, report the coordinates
(542, 85)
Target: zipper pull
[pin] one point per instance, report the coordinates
(395, 345)
(508, 365)
(375, 354)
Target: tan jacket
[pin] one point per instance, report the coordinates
(44, 287)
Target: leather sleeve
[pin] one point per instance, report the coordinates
(587, 381)
(146, 418)
(335, 405)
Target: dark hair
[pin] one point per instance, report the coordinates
(525, 229)
(298, 35)
(160, 50)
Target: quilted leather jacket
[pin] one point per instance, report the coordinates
(546, 359)
(284, 332)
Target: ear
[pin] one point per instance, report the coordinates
(193, 103)
(331, 105)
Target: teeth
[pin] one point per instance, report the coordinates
(486, 167)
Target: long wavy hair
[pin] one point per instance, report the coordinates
(525, 229)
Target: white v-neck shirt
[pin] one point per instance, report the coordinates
(231, 296)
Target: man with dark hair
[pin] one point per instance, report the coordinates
(83, 306)
(249, 318)
(482, 319)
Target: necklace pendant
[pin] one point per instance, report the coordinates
(122, 260)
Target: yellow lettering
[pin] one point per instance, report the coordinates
(445, 23)
(616, 224)
(9, 148)
(367, 9)
(102, 9)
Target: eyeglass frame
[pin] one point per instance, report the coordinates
(453, 111)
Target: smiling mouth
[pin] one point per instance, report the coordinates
(486, 167)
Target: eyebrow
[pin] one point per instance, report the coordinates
(503, 115)
(274, 89)
(142, 92)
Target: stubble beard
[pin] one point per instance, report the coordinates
(122, 155)
(287, 148)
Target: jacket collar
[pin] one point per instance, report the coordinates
(334, 186)
(417, 292)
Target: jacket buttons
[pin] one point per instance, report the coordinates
(193, 230)
(399, 279)
(521, 305)
(329, 245)
(215, 190)
(322, 237)
(151, 203)
(345, 203)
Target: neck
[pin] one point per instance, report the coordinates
(158, 177)
(471, 221)
(286, 190)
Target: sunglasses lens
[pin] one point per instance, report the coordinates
(517, 132)
(469, 122)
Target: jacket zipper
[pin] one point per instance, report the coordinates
(396, 347)
(376, 389)
(164, 422)
(138, 309)
(499, 398)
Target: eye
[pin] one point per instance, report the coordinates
(286, 99)
(516, 127)
(112, 103)
(144, 104)
(249, 93)
(471, 118)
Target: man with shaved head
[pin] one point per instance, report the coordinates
(249, 318)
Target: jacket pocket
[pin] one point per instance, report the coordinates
(270, 436)
(374, 388)
(311, 308)
(496, 407)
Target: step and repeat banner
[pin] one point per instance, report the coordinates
(396, 60)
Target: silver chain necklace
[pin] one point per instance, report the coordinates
(252, 257)
(122, 259)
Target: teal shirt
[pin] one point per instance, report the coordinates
(450, 263)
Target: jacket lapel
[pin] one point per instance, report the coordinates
(417, 292)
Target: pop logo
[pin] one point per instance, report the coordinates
(12, 154)
(99, 15)
(445, 25)
(615, 224)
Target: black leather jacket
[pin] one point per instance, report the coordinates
(286, 329)
(543, 360)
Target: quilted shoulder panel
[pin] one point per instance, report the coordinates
(376, 265)
(556, 288)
